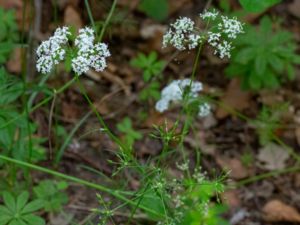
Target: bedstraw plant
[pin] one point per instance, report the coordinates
(160, 197)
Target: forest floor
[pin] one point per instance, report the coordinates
(263, 187)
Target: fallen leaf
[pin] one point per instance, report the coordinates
(294, 8)
(235, 166)
(297, 134)
(72, 18)
(231, 198)
(277, 211)
(234, 98)
(14, 63)
(239, 216)
(272, 157)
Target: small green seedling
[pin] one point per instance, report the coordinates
(51, 194)
(150, 65)
(152, 69)
(268, 121)
(130, 135)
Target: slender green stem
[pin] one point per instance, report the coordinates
(100, 119)
(267, 175)
(69, 137)
(108, 18)
(117, 194)
(88, 8)
(196, 62)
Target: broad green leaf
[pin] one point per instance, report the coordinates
(257, 5)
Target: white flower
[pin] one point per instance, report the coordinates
(85, 39)
(51, 51)
(213, 38)
(209, 14)
(193, 41)
(204, 110)
(89, 54)
(61, 35)
(80, 64)
(231, 27)
(223, 49)
(181, 35)
(183, 25)
(175, 91)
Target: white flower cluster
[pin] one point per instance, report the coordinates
(229, 28)
(209, 14)
(175, 91)
(181, 35)
(89, 55)
(51, 51)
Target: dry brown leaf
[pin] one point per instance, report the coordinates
(272, 157)
(297, 134)
(72, 18)
(277, 211)
(231, 198)
(234, 98)
(294, 8)
(14, 63)
(235, 166)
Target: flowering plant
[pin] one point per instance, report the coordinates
(87, 54)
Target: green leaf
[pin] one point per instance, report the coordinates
(5, 50)
(9, 201)
(15, 222)
(270, 80)
(245, 55)
(34, 220)
(4, 219)
(10, 87)
(260, 64)
(156, 9)
(62, 185)
(153, 201)
(254, 81)
(276, 63)
(290, 72)
(5, 211)
(22, 200)
(33, 206)
(257, 5)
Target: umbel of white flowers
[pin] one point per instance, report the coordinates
(89, 55)
(174, 93)
(183, 34)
